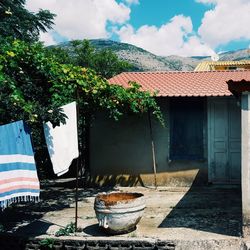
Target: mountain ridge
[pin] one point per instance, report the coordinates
(143, 60)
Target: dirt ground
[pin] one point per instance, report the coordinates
(196, 214)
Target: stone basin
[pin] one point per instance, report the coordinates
(119, 212)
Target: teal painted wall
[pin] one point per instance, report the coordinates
(120, 153)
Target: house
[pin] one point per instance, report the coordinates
(223, 65)
(200, 143)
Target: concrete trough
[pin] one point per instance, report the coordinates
(118, 212)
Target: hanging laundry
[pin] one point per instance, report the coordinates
(62, 141)
(18, 175)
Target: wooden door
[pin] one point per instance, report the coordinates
(224, 131)
(234, 144)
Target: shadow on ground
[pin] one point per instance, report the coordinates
(113, 180)
(95, 230)
(215, 209)
(55, 196)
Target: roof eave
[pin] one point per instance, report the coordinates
(238, 87)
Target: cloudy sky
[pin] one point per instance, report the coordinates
(163, 27)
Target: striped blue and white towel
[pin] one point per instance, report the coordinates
(18, 174)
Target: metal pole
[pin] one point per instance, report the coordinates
(77, 163)
(152, 147)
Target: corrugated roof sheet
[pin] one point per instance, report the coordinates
(207, 83)
(211, 65)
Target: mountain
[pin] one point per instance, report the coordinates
(242, 54)
(143, 60)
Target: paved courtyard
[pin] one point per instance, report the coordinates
(208, 215)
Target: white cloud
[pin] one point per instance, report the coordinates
(47, 39)
(194, 47)
(81, 19)
(131, 1)
(227, 21)
(173, 38)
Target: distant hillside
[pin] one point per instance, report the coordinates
(242, 54)
(146, 61)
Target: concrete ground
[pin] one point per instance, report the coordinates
(193, 218)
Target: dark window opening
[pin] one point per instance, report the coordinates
(232, 68)
(186, 128)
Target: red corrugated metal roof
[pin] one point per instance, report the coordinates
(202, 83)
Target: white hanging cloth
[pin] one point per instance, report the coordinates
(62, 141)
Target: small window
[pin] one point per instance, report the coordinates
(186, 128)
(232, 68)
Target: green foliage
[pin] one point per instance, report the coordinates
(25, 83)
(107, 64)
(47, 243)
(58, 54)
(33, 85)
(96, 94)
(81, 53)
(69, 229)
(19, 23)
(132, 235)
(35, 82)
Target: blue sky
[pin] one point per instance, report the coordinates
(163, 27)
(158, 12)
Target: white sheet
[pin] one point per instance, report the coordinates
(62, 141)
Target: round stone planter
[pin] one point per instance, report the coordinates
(118, 212)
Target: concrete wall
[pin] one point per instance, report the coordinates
(245, 160)
(120, 153)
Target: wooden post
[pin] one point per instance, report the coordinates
(152, 147)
